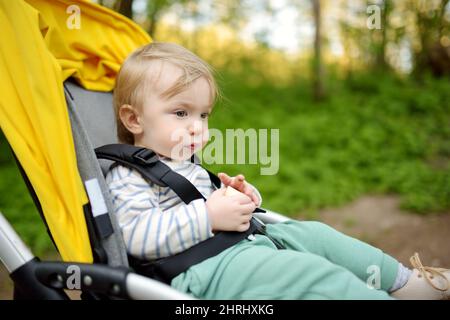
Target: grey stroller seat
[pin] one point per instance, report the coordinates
(93, 124)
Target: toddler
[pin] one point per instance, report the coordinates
(163, 97)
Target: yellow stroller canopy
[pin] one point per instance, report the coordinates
(43, 44)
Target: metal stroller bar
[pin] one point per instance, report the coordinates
(34, 279)
(13, 252)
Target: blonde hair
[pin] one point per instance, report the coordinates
(133, 78)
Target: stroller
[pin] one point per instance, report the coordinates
(82, 227)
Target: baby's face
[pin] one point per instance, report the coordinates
(176, 127)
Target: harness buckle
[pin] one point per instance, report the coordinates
(260, 228)
(146, 156)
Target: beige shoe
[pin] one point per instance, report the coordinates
(425, 283)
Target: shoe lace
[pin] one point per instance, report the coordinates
(424, 271)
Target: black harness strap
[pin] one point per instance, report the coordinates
(132, 157)
(146, 162)
(167, 268)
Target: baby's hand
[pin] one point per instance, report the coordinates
(240, 185)
(229, 213)
(231, 191)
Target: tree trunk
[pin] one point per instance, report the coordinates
(431, 26)
(381, 50)
(152, 26)
(318, 68)
(124, 7)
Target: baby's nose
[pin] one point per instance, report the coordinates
(195, 128)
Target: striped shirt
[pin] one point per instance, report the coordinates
(154, 221)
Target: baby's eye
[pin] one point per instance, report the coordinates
(181, 113)
(204, 115)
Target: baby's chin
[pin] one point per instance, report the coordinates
(181, 156)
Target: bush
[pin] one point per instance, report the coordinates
(373, 134)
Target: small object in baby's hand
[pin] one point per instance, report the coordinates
(231, 191)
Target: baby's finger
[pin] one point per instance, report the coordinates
(241, 198)
(248, 208)
(238, 183)
(243, 227)
(226, 179)
(249, 192)
(240, 180)
(255, 199)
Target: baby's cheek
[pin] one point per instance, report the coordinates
(205, 137)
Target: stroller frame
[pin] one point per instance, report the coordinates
(35, 279)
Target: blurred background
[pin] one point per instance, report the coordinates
(360, 93)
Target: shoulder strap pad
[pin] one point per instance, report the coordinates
(147, 163)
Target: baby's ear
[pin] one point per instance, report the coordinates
(130, 118)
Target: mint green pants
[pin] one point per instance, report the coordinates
(319, 263)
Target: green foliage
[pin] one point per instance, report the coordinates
(375, 134)
(18, 207)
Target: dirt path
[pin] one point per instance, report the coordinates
(5, 284)
(378, 221)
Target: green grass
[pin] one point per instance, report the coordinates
(17, 205)
(374, 134)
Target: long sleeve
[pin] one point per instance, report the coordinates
(151, 231)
